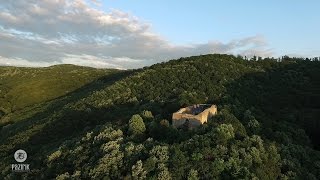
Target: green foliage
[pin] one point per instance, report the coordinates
(226, 117)
(54, 156)
(266, 128)
(22, 87)
(64, 176)
(137, 171)
(147, 114)
(254, 126)
(225, 132)
(163, 173)
(160, 153)
(193, 175)
(136, 125)
(218, 166)
(150, 164)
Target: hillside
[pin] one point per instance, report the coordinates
(118, 127)
(23, 87)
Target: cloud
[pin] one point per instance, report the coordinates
(75, 31)
(22, 62)
(84, 60)
(97, 62)
(96, 3)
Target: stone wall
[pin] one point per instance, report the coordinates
(180, 117)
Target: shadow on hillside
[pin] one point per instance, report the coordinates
(42, 129)
(285, 98)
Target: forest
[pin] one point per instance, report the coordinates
(85, 123)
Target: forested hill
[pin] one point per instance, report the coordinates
(119, 125)
(22, 87)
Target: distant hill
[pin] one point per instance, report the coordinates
(116, 124)
(22, 87)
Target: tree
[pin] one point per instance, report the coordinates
(63, 176)
(138, 172)
(54, 156)
(111, 164)
(136, 125)
(218, 166)
(224, 132)
(196, 156)
(247, 115)
(193, 175)
(178, 162)
(254, 126)
(147, 114)
(165, 123)
(254, 58)
(161, 153)
(164, 173)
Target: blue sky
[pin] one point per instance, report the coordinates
(289, 26)
(132, 34)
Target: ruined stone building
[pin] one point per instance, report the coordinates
(194, 115)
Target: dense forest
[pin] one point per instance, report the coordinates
(21, 87)
(87, 123)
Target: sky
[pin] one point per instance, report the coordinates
(136, 33)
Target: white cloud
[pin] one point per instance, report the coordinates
(82, 60)
(97, 62)
(73, 31)
(22, 62)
